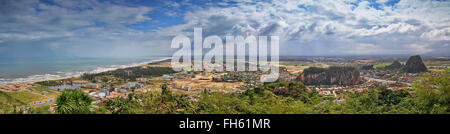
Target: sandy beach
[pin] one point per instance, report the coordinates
(24, 85)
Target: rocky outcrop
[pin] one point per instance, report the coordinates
(367, 67)
(330, 76)
(415, 65)
(394, 65)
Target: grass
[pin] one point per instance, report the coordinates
(25, 96)
(3, 98)
(4, 103)
(42, 88)
(4, 107)
(7, 99)
(42, 109)
(381, 65)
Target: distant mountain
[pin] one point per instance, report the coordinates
(415, 65)
(395, 65)
(330, 76)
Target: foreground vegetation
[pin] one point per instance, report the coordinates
(430, 95)
(131, 73)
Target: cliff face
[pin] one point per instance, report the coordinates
(330, 76)
(415, 65)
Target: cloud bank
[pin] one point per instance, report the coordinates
(306, 27)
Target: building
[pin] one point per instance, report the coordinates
(133, 85)
(106, 92)
(122, 90)
(66, 87)
(166, 76)
(129, 72)
(92, 85)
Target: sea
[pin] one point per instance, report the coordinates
(17, 70)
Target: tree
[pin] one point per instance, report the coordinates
(121, 105)
(166, 94)
(389, 97)
(73, 102)
(291, 89)
(433, 93)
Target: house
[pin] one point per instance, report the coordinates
(91, 85)
(122, 90)
(174, 85)
(101, 95)
(142, 79)
(129, 72)
(98, 94)
(106, 92)
(79, 82)
(133, 85)
(166, 76)
(93, 94)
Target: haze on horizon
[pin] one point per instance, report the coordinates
(132, 28)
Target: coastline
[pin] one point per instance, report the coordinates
(92, 72)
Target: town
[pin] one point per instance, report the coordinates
(327, 76)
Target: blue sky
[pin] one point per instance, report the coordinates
(130, 28)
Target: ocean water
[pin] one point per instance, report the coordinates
(15, 70)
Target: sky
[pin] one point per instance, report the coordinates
(133, 28)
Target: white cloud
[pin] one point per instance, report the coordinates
(437, 34)
(365, 48)
(396, 29)
(321, 25)
(420, 48)
(390, 29)
(171, 13)
(57, 20)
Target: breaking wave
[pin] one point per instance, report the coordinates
(69, 74)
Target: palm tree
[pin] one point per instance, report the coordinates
(73, 102)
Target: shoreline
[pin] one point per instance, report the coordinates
(78, 75)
